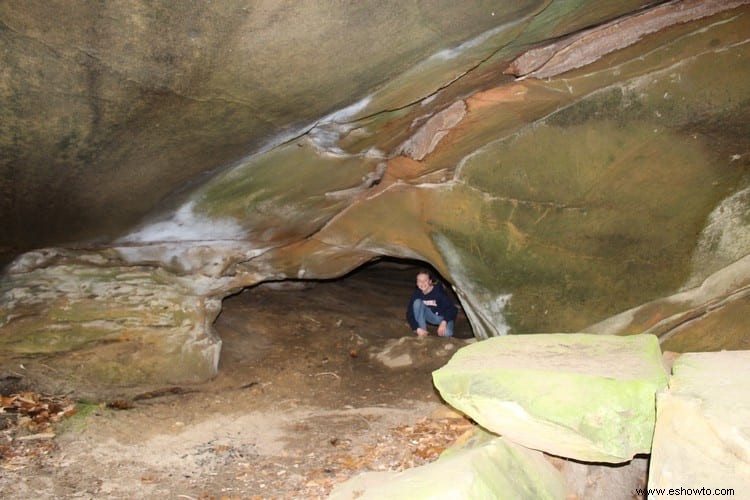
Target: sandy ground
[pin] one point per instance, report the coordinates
(300, 404)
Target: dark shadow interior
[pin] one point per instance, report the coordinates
(335, 342)
(385, 282)
(399, 275)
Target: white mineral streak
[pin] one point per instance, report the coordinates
(188, 242)
(326, 133)
(186, 225)
(183, 232)
(477, 41)
(484, 311)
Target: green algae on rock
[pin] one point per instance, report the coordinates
(580, 396)
(287, 193)
(595, 207)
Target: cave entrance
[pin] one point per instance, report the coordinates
(308, 337)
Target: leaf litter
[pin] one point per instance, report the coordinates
(26, 425)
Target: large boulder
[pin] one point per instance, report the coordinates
(581, 396)
(702, 438)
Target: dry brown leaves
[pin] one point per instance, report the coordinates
(429, 438)
(26, 425)
(401, 448)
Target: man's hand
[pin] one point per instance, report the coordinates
(421, 332)
(442, 328)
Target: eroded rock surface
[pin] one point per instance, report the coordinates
(584, 48)
(426, 139)
(102, 329)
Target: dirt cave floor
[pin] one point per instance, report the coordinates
(317, 381)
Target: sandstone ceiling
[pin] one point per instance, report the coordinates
(562, 163)
(109, 108)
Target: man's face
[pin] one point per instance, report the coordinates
(424, 283)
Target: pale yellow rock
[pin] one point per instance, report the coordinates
(701, 443)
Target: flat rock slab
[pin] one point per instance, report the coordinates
(492, 467)
(702, 438)
(580, 396)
